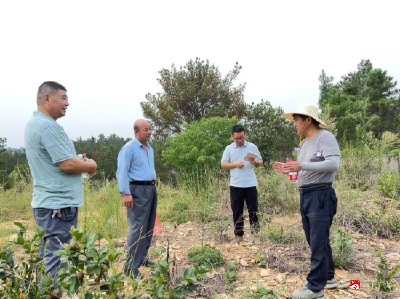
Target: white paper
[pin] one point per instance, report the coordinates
(250, 155)
(85, 175)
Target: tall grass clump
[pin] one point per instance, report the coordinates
(276, 194)
(103, 211)
(195, 198)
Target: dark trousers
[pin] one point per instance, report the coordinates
(58, 232)
(141, 219)
(238, 197)
(318, 205)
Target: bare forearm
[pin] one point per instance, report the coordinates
(226, 165)
(77, 166)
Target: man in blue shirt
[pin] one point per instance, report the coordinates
(243, 184)
(56, 172)
(136, 177)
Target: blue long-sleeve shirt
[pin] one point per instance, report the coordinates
(134, 164)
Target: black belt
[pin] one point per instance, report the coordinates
(144, 183)
(311, 188)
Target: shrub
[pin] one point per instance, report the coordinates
(180, 210)
(276, 193)
(200, 146)
(90, 270)
(384, 276)
(395, 154)
(360, 167)
(209, 257)
(283, 235)
(342, 247)
(389, 185)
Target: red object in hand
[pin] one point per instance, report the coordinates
(355, 284)
(293, 176)
(158, 227)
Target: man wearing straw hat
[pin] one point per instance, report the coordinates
(317, 164)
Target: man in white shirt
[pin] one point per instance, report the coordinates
(243, 185)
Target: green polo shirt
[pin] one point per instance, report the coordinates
(46, 144)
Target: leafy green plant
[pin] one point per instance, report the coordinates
(260, 260)
(86, 262)
(180, 210)
(157, 253)
(231, 273)
(395, 154)
(263, 293)
(160, 286)
(200, 146)
(90, 271)
(28, 276)
(188, 283)
(342, 247)
(209, 257)
(389, 185)
(283, 235)
(384, 276)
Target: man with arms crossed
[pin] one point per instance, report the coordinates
(56, 172)
(317, 164)
(136, 177)
(243, 185)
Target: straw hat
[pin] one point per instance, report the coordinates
(307, 110)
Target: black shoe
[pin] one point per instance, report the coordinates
(255, 229)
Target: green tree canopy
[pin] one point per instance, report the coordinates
(274, 136)
(364, 100)
(200, 146)
(104, 150)
(8, 161)
(190, 93)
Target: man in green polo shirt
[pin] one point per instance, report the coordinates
(56, 172)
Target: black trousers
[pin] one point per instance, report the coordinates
(318, 205)
(238, 197)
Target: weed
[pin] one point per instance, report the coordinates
(389, 185)
(263, 293)
(231, 273)
(283, 235)
(260, 260)
(384, 276)
(209, 257)
(342, 247)
(220, 228)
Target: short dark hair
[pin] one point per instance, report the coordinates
(303, 117)
(237, 129)
(48, 87)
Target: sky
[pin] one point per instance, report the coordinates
(108, 53)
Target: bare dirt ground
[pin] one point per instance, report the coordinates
(286, 266)
(283, 267)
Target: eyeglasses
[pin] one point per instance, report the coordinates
(239, 138)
